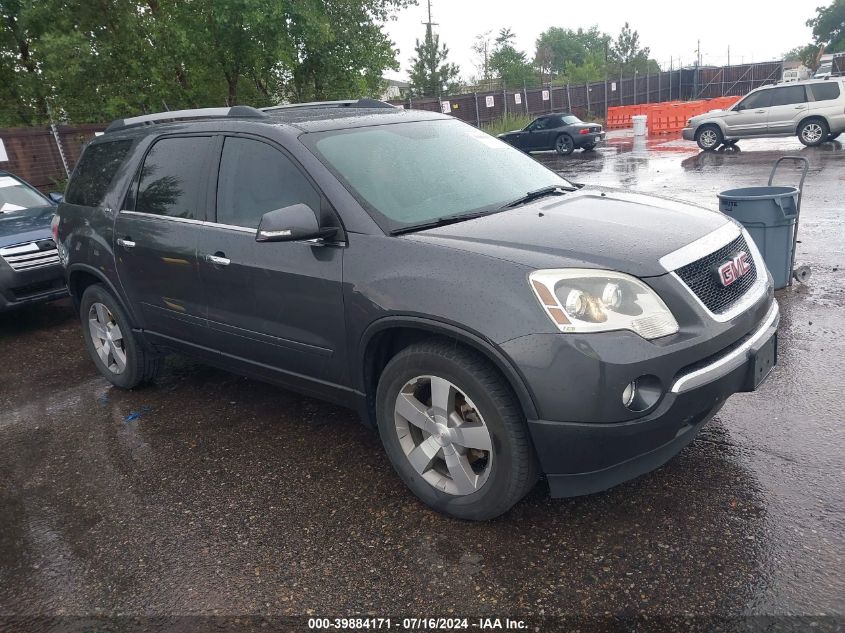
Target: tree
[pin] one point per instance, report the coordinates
(829, 27)
(560, 48)
(431, 74)
(805, 54)
(511, 65)
(89, 60)
(628, 56)
(482, 49)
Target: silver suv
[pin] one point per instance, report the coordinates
(813, 109)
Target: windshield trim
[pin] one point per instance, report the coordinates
(309, 140)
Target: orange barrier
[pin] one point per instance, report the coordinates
(665, 117)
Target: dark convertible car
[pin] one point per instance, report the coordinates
(561, 132)
(29, 263)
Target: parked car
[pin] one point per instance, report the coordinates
(29, 264)
(563, 132)
(489, 318)
(826, 67)
(813, 110)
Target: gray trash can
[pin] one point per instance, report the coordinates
(770, 214)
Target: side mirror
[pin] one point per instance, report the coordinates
(291, 224)
(56, 197)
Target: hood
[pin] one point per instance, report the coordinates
(713, 114)
(615, 231)
(504, 134)
(26, 225)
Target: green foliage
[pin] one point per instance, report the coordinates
(829, 26)
(561, 48)
(627, 56)
(507, 124)
(805, 54)
(431, 74)
(511, 65)
(95, 60)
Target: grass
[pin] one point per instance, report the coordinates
(507, 123)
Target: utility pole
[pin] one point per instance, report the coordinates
(697, 50)
(729, 54)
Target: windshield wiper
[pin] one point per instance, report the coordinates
(552, 190)
(446, 219)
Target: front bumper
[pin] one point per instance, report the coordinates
(597, 451)
(688, 134)
(20, 288)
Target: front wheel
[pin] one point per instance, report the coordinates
(564, 145)
(813, 132)
(709, 137)
(454, 432)
(116, 352)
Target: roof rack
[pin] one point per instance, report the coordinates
(181, 115)
(348, 103)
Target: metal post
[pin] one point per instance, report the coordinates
(551, 97)
(568, 98)
(505, 99)
(659, 88)
(477, 113)
(524, 96)
(648, 87)
(605, 99)
(587, 93)
(620, 87)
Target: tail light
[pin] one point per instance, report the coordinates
(54, 228)
(584, 131)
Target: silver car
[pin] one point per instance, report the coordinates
(814, 110)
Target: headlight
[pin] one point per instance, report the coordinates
(587, 300)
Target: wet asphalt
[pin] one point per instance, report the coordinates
(208, 493)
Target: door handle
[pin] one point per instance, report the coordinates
(218, 260)
(125, 242)
(800, 107)
(759, 112)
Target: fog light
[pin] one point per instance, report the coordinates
(642, 394)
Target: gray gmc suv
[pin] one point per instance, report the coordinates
(492, 320)
(812, 110)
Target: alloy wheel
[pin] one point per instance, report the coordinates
(812, 132)
(708, 138)
(107, 338)
(443, 435)
(563, 144)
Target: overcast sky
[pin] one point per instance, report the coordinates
(755, 30)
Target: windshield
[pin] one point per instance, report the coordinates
(414, 173)
(14, 196)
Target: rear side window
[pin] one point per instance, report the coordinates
(95, 171)
(256, 178)
(788, 95)
(827, 91)
(173, 178)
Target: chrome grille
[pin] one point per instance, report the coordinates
(31, 255)
(700, 277)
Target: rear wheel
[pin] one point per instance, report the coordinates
(454, 432)
(813, 132)
(113, 347)
(564, 145)
(709, 137)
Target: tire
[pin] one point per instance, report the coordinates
(588, 147)
(813, 132)
(495, 474)
(833, 137)
(564, 145)
(122, 361)
(709, 137)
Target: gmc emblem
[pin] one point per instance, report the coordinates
(733, 269)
